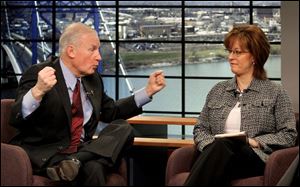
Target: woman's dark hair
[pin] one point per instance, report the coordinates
(254, 40)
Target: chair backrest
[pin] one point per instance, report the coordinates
(7, 131)
(15, 166)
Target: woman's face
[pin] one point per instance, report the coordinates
(241, 60)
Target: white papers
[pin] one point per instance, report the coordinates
(242, 136)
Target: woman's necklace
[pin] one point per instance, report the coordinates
(242, 88)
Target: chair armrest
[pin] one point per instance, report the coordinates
(123, 169)
(277, 164)
(180, 160)
(16, 168)
(7, 131)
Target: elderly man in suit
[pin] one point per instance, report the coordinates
(43, 112)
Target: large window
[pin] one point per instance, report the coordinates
(183, 38)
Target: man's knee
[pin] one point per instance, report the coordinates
(122, 126)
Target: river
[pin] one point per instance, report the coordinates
(169, 99)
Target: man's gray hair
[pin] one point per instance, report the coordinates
(71, 34)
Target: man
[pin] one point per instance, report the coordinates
(59, 104)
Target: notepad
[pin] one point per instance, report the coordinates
(241, 136)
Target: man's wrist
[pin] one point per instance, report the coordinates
(141, 97)
(37, 94)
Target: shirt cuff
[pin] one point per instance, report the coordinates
(141, 98)
(29, 104)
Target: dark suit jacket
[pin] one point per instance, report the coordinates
(47, 130)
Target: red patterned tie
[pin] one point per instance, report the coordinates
(77, 120)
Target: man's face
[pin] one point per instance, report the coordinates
(87, 55)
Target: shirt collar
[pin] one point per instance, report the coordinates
(69, 76)
(255, 85)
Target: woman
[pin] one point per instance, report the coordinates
(248, 102)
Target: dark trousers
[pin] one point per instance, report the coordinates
(95, 167)
(223, 161)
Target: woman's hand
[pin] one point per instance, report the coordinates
(254, 143)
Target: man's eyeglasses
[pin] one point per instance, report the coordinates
(235, 52)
